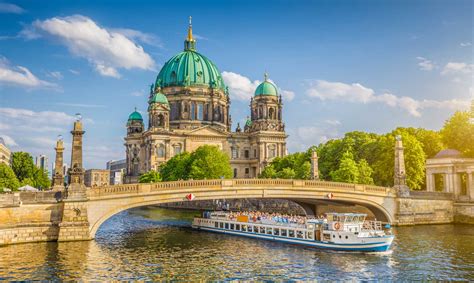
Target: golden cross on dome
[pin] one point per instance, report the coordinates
(265, 75)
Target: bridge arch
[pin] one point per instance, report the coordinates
(105, 202)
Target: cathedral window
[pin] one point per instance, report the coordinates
(271, 151)
(246, 153)
(193, 111)
(199, 111)
(161, 120)
(235, 152)
(174, 111)
(176, 149)
(160, 151)
(271, 113)
(260, 112)
(235, 172)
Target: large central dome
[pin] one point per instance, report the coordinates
(190, 68)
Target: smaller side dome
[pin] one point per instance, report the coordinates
(135, 116)
(266, 88)
(159, 98)
(448, 153)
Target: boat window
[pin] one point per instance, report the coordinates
(269, 230)
(237, 226)
(340, 236)
(347, 237)
(334, 236)
(291, 233)
(310, 235)
(284, 232)
(227, 226)
(216, 224)
(221, 225)
(299, 234)
(232, 226)
(276, 232)
(244, 228)
(262, 230)
(255, 229)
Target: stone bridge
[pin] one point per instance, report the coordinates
(49, 216)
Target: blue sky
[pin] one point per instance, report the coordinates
(340, 65)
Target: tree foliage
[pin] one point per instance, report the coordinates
(206, 162)
(27, 173)
(8, 178)
(348, 171)
(458, 133)
(150, 177)
(292, 166)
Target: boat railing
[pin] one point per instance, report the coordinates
(372, 226)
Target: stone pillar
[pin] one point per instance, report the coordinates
(74, 225)
(470, 185)
(456, 185)
(314, 166)
(430, 182)
(400, 173)
(58, 178)
(76, 189)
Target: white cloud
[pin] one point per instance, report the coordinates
(81, 105)
(457, 68)
(301, 138)
(333, 122)
(425, 64)
(9, 141)
(56, 75)
(465, 44)
(106, 49)
(358, 93)
(143, 37)
(242, 88)
(11, 8)
(138, 93)
(20, 76)
(74, 72)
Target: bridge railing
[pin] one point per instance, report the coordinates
(242, 183)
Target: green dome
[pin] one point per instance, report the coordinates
(135, 116)
(190, 68)
(159, 98)
(266, 88)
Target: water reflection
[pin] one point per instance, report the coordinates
(156, 244)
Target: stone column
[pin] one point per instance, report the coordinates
(314, 166)
(430, 182)
(470, 185)
(58, 178)
(400, 173)
(76, 188)
(456, 185)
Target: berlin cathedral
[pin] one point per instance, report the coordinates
(189, 106)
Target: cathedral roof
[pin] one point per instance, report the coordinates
(447, 153)
(159, 98)
(135, 116)
(266, 88)
(190, 68)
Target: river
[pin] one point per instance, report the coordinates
(154, 244)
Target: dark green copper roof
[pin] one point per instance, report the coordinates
(135, 116)
(190, 68)
(159, 98)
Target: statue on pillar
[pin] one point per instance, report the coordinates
(58, 178)
(314, 165)
(400, 173)
(76, 189)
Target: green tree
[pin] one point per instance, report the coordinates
(365, 173)
(8, 178)
(268, 172)
(40, 179)
(209, 162)
(458, 133)
(27, 181)
(348, 170)
(22, 165)
(286, 173)
(177, 168)
(150, 177)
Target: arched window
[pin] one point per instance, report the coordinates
(161, 120)
(199, 111)
(160, 151)
(235, 172)
(271, 151)
(176, 149)
(235, 152)
(271, 113)
(260, 112)
(193, 111)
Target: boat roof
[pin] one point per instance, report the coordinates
(346, 214)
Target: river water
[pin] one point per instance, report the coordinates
(154, 244)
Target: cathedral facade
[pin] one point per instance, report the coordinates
(189, 106)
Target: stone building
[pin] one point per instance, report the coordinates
(189, 106)
(450, 172)
(117, 171)
(97, 178)
(5, 153)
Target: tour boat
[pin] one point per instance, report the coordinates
(337, 231)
